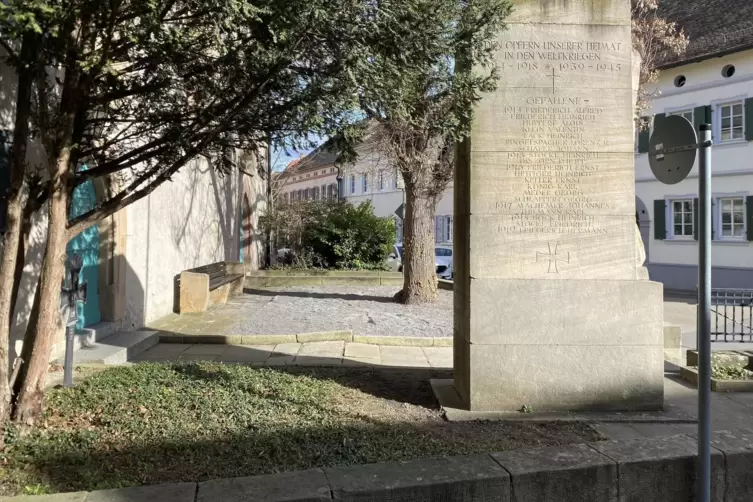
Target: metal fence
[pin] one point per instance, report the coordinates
(731, 314)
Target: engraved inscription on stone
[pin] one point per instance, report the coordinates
(551, 157)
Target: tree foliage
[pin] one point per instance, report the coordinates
(136, 89)
(654, 39)
(420, 105)
(332, 234)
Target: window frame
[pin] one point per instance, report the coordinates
(380, 181)
(718, 201)
(365, 183)
(352, 184)
(716, 107)
(683, 111)
(670, 218)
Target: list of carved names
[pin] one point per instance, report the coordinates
(556, 157)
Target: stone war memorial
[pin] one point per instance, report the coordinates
(553, 309)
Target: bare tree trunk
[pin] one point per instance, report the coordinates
(419, 264)
(30, 337)
(12, 234)
(23, 248)
(29, 403)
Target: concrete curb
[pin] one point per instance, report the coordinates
(317, 336)
(654, 469)
(277, 278)
(691, 375)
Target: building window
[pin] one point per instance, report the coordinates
(395, 179)
(682, 218)
(316, 193)
(380, 180)
(364, 183)
(688, 114)
(333, 191)
(352, 184)
(731, 217)
(442, 229)
(731, 124)
(324, 192)
(332, 169)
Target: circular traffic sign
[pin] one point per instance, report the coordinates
(671, 132)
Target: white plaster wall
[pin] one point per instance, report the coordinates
(186, 223)
(255, 196)
(386, 200)
(732, 163)
(685, 252)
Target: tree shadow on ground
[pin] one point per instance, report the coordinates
(87, 457)
(322, 296)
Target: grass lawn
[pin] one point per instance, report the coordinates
(156, 423)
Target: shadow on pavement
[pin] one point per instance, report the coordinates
(323, 296)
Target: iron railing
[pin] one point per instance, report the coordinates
(731, 315)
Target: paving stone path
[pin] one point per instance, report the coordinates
(300, 354)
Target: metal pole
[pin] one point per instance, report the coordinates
(70, 331)
(704, 316)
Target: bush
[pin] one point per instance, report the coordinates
(332, 235)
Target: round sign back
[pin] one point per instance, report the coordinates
(672, 132)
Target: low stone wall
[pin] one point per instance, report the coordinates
(445, 284)
(690, 374)
(322, 336)
(277, 278)
(647, 470)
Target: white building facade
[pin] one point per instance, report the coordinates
(373, 178)
(370, 178)
(713, 83)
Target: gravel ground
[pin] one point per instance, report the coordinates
(367, 310)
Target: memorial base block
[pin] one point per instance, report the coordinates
(559, 345)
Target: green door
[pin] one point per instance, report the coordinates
(86, 244)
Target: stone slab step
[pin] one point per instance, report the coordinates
(94, 333)
(117, 348)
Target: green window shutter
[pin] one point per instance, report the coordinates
(658, 118)
(749, 217)
(701, 115)
(5, 144)
(695, 218)
(660, 219)
(643, 135)
(749, 119)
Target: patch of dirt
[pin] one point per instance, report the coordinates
(396, 396)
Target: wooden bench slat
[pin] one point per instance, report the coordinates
(221, 281)
(213, 269)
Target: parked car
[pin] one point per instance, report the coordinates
(442, 259)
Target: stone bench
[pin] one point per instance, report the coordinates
(209, 285)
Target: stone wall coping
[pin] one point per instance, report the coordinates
(654, 469)
(318, 336)
(322, 273)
